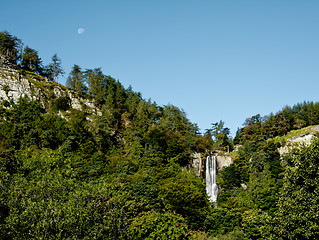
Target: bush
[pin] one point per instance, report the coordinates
(222, 221)
(155, 225)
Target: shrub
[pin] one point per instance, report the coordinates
(155, 225)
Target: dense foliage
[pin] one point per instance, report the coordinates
(289, 118)
(120, 171)
(93, 176)
(298, 205)
(272, 196)
(10, 46)
(61, 179)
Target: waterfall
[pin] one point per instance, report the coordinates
(211, 186)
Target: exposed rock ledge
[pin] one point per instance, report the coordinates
(223, 161)
(298, 141)
(198, 164)
(14, 83)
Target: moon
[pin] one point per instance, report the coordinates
(81, 30)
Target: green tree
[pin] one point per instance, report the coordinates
(54, 69)
(114, 105)
(313, 114)
(9, 46)
(261, 193)
(155, 225)
(45, 200)
(220, 135)
(20, 128)
(97, 84)
(297, 216)
(108, 108)
(75, 80)
(222, 221)
(186, 195)
(31, 60)
(229, 177)
(256, 225)
(179, 134)
(251, 130)
(254, 156)
(175, 119)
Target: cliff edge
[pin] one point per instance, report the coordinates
(16, 82)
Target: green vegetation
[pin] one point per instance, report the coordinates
(298, 205)
(54, 69)
(289, 118)
(10, 46)
(88, 179)
(275, 196)
(155, 225)
(89, 176)
(31, 61)
(119, 171)
(296, 133)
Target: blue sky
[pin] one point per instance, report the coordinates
(216, 60)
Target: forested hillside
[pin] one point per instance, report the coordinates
(289, 118)
(67, 173)
(119, 168)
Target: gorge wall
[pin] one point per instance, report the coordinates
(197, 163)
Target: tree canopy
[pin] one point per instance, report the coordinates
(10, 46)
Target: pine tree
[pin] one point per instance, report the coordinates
(54, 69)
(9, 46)
(97, 84)
(31, 60)
(76, 80)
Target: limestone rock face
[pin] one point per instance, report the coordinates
(5, 63)
(297, 142)
(13, 86)
(14, 83)
(196, 164)
(223, 161)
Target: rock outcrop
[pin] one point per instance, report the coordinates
(6, 64)
(223, 161)
(16, 83)
(196, 164)
(198, 161)
(297, 142)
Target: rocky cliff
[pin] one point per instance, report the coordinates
(16, 83)
(198, 162)
(298, 141)
(223, 161)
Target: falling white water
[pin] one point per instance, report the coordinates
(211, 186)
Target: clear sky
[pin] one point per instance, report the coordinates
(216, 59)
